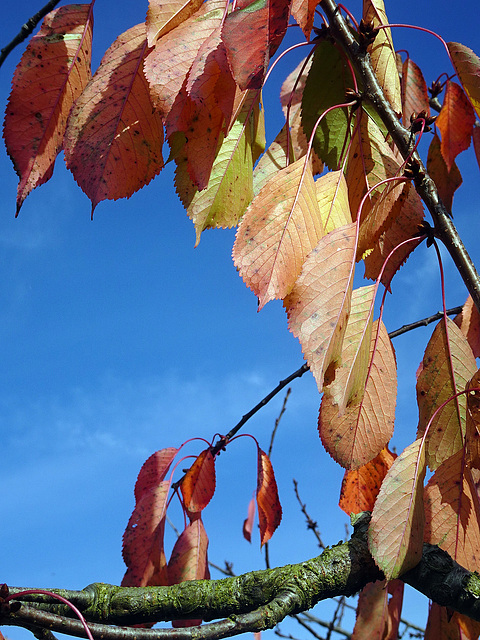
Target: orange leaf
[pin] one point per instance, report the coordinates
(357, 435)
(378, 617)
(248, 522)
(332, 197)
(113, 143)
(443, 625)
(319, 304)
(303, 13)
(467, 66)
(268, 503)
(279, 229)
(252, 33)
(198, 485)
(414, 91)
(167, 66)
(395, 534)
(452, 512)
(51, 75)
(469, 322)
(163, 16)
(447, 181)
(360, 486)
(189, 561)
(436, 383)
(455, 121)
(143, 538)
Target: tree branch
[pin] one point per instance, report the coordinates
(444, 228)
(252, 602)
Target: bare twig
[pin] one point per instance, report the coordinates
(27, 29)
(423, 322)
(311, 524)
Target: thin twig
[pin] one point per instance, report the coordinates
(277, 421)
(27, 29)
(424, 322)
(311, 524)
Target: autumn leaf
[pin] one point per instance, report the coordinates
(198, 484)
(468, 320)
(358, 434)
(248, 522)
(438, 381)
(455, 121)
(230, 189)
(274, 159)
(395, 535)
(304, 13)
(332, 198)
(163, 16)
(452, 512)
(167, 65)
(447, 181)
(252, 34)
(319, 305)
(445, 624)
(143, 538)
(378, 611)
(467, 66)
(329, 71)
(414, 92)
(114, 147)
(52, 73)
(279, 229)
(360, 486)
(382, 53)
(189, 561)
(476, 142)
(268, 503)
(472, 426)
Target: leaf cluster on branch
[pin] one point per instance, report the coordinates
(341, 184)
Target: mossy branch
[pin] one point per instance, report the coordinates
(251, 602)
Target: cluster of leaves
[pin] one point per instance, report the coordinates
(331, 190)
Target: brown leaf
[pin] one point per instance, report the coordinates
(52, 73)
(436, 383)
(469, 322)
(447, 181)
(319, 304)
(357, 435)
(360, 486)
(414, 92)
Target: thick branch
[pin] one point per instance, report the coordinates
(252, 602)
(444, 228)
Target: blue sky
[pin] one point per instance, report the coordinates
(118, 338)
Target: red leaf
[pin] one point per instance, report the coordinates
(414, 91)
(189, 561)
(113, 143)
(378, 617)
(51, 75)
(476, 142)
(447, 181)
(143, 538)
(360, 486)
(269, 508)
(251, 35)
(469, 322)
(304, 14)
(248, 523)
(198, 485)
(163, 16)
(455, 121)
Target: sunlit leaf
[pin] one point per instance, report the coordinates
(395, 534)
(304, 13)
(360, 486)
(330, 72)
(163, 16)
(455, 121)
(198, 485)
(378, 611)
(248, 522)
(452, 512)
(52, 73)
(359, 433)
(251, 34)
(447, 181)
(319, 305)
(167, 65)
(414, 91)
(382, 53)
(229, 190)
(332, 197)
(438, 381)
(469, 322)
(274, 159)
(467, 66)
(277, 232)
(113, 146)
(268, 503)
